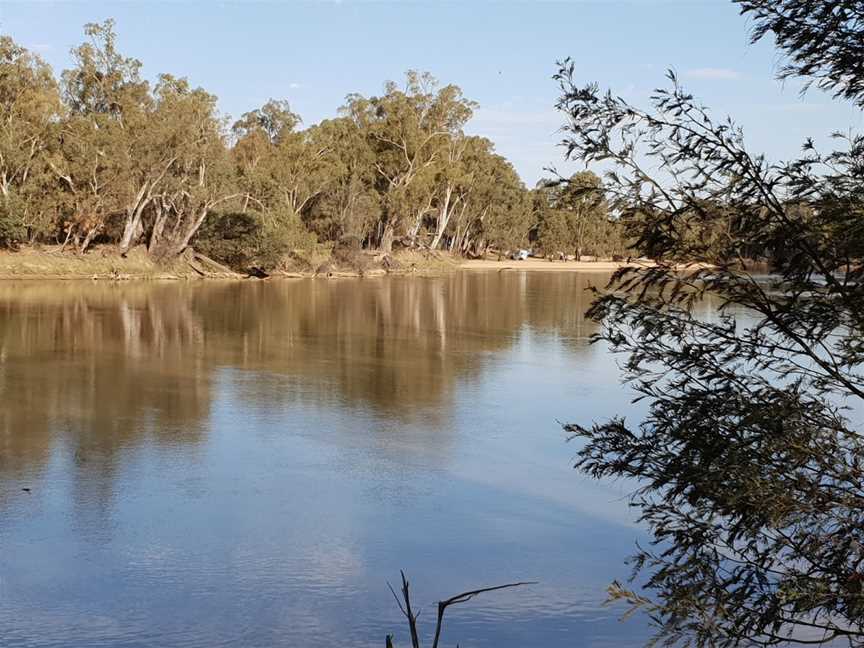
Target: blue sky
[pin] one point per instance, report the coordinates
(502, 54)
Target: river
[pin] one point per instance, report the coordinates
(248, 463)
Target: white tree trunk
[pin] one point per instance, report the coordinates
(443, 217)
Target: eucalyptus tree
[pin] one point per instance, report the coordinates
(201, 177)
(154, 161)
(452, 174)
(572, 215)
(272, 120)
(507, 218)
(133, 156)
(156, 153)
(106, 156)
(408, 129)
(281, 169)
(29, 110)
(302, 170)
(493, 205)
(257, 135)
(749, 463)
(100, 161)
(552, 234)
(474, 188)
(349, 205)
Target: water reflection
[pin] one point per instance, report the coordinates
(245, 463)
(110, 362)
(98, 367)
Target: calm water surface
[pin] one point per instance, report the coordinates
(247, 464)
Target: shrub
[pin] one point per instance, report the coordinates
(348, 253)
(12, 228)
(243, 240)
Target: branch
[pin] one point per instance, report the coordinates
(412, 618)
(467, 596)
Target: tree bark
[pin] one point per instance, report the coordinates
(158, 229)
(443, 218)
(386, 244)
(192, 229)
(91, 233)
(132, 228)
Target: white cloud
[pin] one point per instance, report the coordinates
(712, 74)
(294, 85)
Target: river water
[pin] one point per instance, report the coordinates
(248, 463)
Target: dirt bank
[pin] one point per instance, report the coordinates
(105, 263)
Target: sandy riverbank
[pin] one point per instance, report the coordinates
(542, 265)
(107, 264)
(103, 264)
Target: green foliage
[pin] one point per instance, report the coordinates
(273, 120)
(348, 254)
(820, 40)
(573, 218)
(244, 240)
(102, 82)
(408, 130)
(231, 238)
(491, 207)
(12, 227)
(29, 110)
(107, 156)
(349, 204)
(749, 464)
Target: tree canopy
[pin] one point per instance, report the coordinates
(105, 156)
(573, 218)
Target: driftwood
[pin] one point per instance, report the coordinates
(205, 266)
(407, 611)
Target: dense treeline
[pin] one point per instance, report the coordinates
(103, 156)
